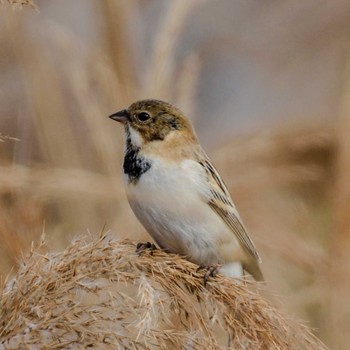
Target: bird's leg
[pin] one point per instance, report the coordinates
(202, 267)
(140, 247)
(212, 271)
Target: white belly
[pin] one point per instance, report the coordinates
(167, 200)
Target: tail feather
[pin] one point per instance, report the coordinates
(254, 269)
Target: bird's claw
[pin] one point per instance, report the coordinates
(212, 271)
(202, 267)
(140, 247)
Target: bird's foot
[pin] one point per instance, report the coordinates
(140, 247)
(212, 271)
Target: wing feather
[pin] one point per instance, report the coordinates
(220, 201)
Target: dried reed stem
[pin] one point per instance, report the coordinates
(339, 274)
(18, 4)
(160, 77)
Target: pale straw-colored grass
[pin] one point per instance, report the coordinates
(65, 172)
(102, 294)
(4, 138)
(18, 4)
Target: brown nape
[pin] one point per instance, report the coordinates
(164, 118)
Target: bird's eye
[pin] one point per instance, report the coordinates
(143, 116)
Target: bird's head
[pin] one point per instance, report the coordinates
(153, 120)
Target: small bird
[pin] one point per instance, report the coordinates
(178, 195)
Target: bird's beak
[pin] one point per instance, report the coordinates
(121, 116)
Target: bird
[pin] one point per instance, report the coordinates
(177, 194)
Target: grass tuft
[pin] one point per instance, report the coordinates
(101, 294)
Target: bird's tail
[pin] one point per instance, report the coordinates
(254, 269)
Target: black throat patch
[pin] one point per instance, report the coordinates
(134, 165)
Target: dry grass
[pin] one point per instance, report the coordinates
(65, 174)
(18, 4)
(103, 295)
(4, 138)
(339, 245)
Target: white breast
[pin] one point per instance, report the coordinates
(168, 201)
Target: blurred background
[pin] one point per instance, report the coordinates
(267, 85)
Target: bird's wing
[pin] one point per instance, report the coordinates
(220, 201)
